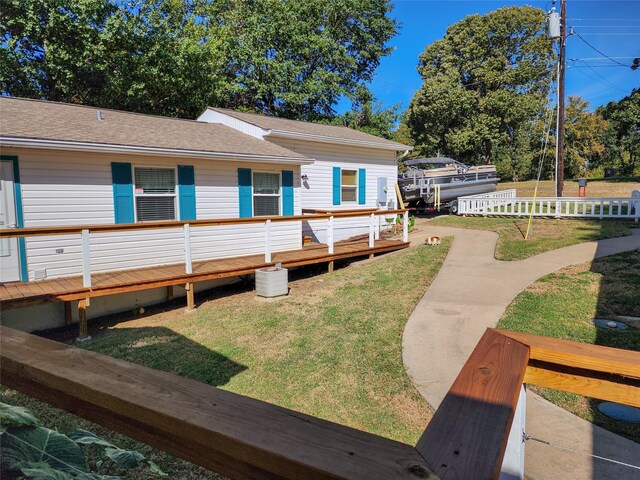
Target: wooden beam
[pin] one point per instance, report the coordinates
(468, 434)
(68, 317)
(612, 388)
(83, 333)
(103, 228)
(191, 302)
(237, 436)
(580, 355)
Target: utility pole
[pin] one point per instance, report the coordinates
(561, 107)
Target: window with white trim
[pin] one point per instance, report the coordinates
(349, 183)
(266, 194)
(155, 193)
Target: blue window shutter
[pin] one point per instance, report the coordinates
(336, 185)
(362, 186)
(122, 192)
(287, 193)
(187, 192)
(245, 193)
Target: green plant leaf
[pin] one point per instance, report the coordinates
(84, 437)
(124, 458)
(43, 471)
(153, 468)
(28, 445)
(13, 416)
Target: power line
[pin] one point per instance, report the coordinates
(608, 26)
(611, 34)
(607, 82)
(605, 19)
(600, 52)
(597, 58)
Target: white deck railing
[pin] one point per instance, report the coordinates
(505, 203)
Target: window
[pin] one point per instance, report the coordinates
(266, 194)
(155, 193)
(349, 185)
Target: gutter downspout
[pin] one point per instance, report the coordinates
(406, 152)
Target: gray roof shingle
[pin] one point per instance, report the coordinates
(43, 120)
(307, 128)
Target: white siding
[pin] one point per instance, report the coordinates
(317, 192)
(62, 188)
(211, 116)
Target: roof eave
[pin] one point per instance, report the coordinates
(153, 151)
(396, 147)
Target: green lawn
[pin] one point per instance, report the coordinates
(546, 234)
(563, 305)
(332, 348)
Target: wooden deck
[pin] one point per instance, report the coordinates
(110, 283)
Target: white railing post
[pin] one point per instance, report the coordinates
(372, 230)
(86, 259)
(330, 235)
(405, 227)
(188, 267)
(267, 241)
(513, 460)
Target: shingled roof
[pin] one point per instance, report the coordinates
(52, 123)
(281, 126)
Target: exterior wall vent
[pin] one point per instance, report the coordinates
(272, 282)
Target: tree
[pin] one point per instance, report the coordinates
(623, 136)
(174, 57)
(584, 137)
(484, 82)
(369, 115)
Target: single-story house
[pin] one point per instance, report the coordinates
(69, 165)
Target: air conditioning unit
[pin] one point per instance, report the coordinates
(272, 282)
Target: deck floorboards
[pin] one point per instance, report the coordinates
(110, 283)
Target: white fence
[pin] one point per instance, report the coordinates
(505, 203)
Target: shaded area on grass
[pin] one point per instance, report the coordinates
(546, 234)
(564, 304)
(332, 349)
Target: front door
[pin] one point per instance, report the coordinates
(9, 254)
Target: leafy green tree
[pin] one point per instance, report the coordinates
(623, 136)
(173, 57)
(485, 81)
(369, 115)
(584, 137)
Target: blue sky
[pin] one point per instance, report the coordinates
(610, 26)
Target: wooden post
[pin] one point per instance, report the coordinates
(267, 241)
(169, 293)
(191, 302)
(68, 317)
(83, 334)
(331, 266)
(86, 259)
(188, 267)
(513, 460)
(405, 227)
(330, 237)
(372, 230)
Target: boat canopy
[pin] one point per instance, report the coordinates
(439, 161)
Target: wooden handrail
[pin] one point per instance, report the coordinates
(228, 433)
(467, 436)
(104, 228)
(245, 438)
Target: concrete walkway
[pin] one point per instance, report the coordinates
(471, 293)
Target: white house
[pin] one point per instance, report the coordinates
(351, 169)
(67, 165)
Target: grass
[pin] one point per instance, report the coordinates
(595, 187)
(547, 234)
(332, 348)
(563, 305)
